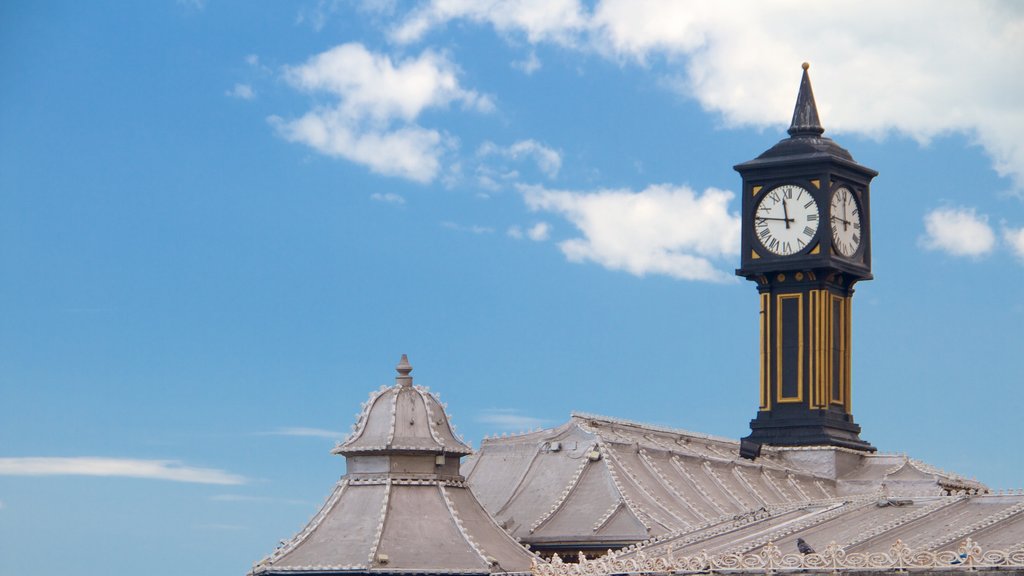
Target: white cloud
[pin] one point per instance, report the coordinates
(528, 66)
(921, 68)
(1015, 238)
(548, 160)
(242, 92)
(222, 526)
(198, 5)
(662, 229)
(958, 231)
(247, 498)
(302, 431)
(372, 85)
(116, 467)
(508, 419)
(538, 232)
(388, 198)
(411, 152)
(550, 20)
(472, 229)
(378, 101)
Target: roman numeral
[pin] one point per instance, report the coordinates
(764, 232)
(788, 193)
(812, 217)
(809, 203)
(808, 231)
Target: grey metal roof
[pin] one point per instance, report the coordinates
(602, 482)
(867, 534)
(597, 482)
(402, 507)
(403, 418)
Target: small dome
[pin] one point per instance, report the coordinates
(403, 419)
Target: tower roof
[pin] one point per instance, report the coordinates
(402, 507)
(805, 113)
(805, 142)
(403, 419)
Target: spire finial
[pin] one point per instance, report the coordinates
(805, 114)
(403, 368)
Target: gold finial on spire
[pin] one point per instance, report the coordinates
(805, 65)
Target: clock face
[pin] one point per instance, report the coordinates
(786, 219)
(845, 222)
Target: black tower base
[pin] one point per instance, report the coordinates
(828, 429)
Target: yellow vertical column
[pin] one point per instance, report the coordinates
(848, 309)
(766, 396)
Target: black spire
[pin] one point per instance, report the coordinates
(805, 115)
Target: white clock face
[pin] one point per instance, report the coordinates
(786, 220)
(845, 222)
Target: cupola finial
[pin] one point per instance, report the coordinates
(403, 368)
(805, 114)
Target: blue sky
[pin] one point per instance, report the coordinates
(221, 224)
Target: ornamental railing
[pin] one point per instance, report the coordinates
(770, 560)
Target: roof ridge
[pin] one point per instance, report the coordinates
(655, 427)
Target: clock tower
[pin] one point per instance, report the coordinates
(806, 241)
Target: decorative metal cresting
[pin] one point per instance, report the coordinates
(769, 559)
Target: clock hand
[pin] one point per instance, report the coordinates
(779, 219)
(786, 214)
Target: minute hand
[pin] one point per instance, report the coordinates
(779, 219)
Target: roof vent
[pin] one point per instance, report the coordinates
(382, 559)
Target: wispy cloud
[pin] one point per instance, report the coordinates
(259, 499)
(117, 467)
(1015, 238)
(528, 66)
(508, 419)
(198, 5)
(472, 228)
(958, 231)
(303, 431)
(225, 527)
(388, 198)
(538, 232)
(242, 92)
(548, 160)
(555, 20)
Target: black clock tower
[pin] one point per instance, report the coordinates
(806, 241)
